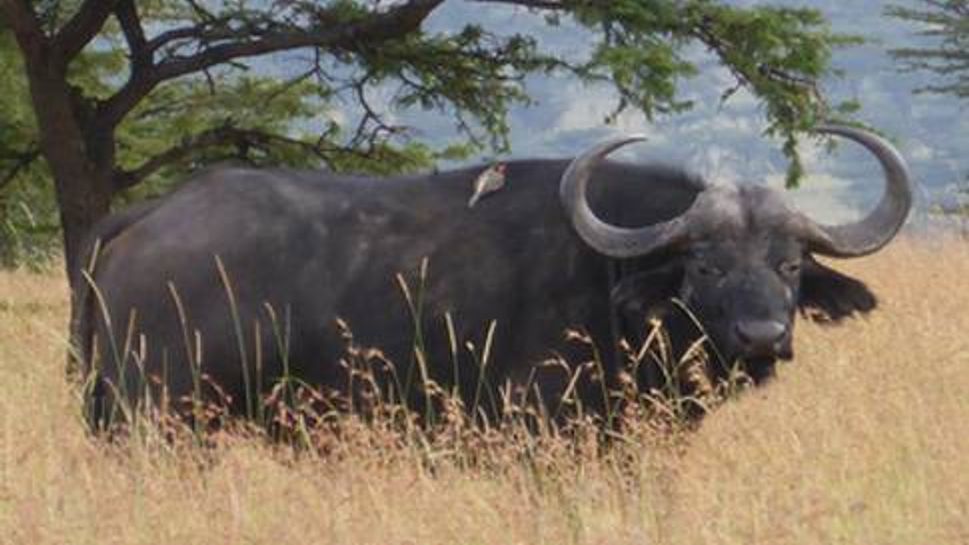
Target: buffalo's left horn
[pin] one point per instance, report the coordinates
(867, 235)
(611, 240)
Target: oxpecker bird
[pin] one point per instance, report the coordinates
(489, 181)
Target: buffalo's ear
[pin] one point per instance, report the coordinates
(829, 296)
(641, 291)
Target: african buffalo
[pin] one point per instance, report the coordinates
(242, 276)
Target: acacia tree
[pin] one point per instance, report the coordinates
(170, 49)
(947, 24)
(255, 107)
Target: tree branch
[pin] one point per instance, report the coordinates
(371, 125)
(722, 48)
(126, 12)
(125, 179)
(218, 136)
(22, 160)
(394, 23)
(946, 24)
(82, 28)
(210, 31)
(537, 4)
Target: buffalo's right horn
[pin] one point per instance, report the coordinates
(870, 234)
(611, 240)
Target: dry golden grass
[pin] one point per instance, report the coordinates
(863, 439)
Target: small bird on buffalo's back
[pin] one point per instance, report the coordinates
(490, 180)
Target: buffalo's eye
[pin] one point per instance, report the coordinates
(789, 268)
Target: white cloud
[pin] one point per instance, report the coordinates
(822, 197)
(917, 150)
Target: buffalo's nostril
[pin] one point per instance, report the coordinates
(760, 335)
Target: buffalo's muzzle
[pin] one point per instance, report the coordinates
(763, 337)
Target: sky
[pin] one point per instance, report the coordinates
(723, 141)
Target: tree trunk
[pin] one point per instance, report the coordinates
(82, 200)
(80, 157)
(81, 162)
(78, 148)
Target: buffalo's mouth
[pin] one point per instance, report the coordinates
(760, 369)
(780, 351)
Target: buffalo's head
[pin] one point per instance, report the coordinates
(739, 259)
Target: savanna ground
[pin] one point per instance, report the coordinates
(864, 438)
